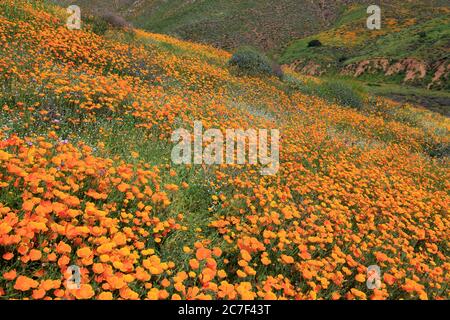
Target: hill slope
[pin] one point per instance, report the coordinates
(227, 24)
(411, 47)
(86, 176)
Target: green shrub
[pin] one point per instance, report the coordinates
(249, 61)
(98, 25)
(438, 149)
(334, 91)
(314, 43)
(342, 93)
(296, 85)
(116, 21)
(101, 23)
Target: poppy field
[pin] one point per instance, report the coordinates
(86, 176)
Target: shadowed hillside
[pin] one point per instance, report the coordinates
(227, 24)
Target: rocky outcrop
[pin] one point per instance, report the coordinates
(366, 66)
(412, 69)
(309, 68)
(312, 69)
(441, 74)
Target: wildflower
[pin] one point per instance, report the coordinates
(11, 275)
(202, 254)
(245, 255)
(84, 252)
(287, 259)
(360, 278)
(105, 296)
(24, 283)
(8, 256)
(85, 292)
(193, 263)
(38, 294)
(35, 255)
(63, 248)
(358, 294)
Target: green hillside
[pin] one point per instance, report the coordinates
(412, 46)
(227, 24)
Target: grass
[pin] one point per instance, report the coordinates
(355, 13)
(345, 93)
(408, 42)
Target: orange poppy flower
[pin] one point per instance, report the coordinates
(217, 251)
(63, 248)
(202, 254)
(38, 294)
(98, 268)
(287, 259)
(360, 278)
(8, 256)
(85, 292)
(84, 252)
(24, 283)
(105, 296)
(28, 205)
(35, 255)
(11, 275)
(194, 264)
(389, 279)
(245, 255)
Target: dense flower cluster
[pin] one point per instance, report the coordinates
(354, 188)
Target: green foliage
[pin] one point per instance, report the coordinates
(314, 43)
(99, 26)
(438, 150)
(351, 15)
(427, 40)
(249, 61)
(294, 84)
(341, 92)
